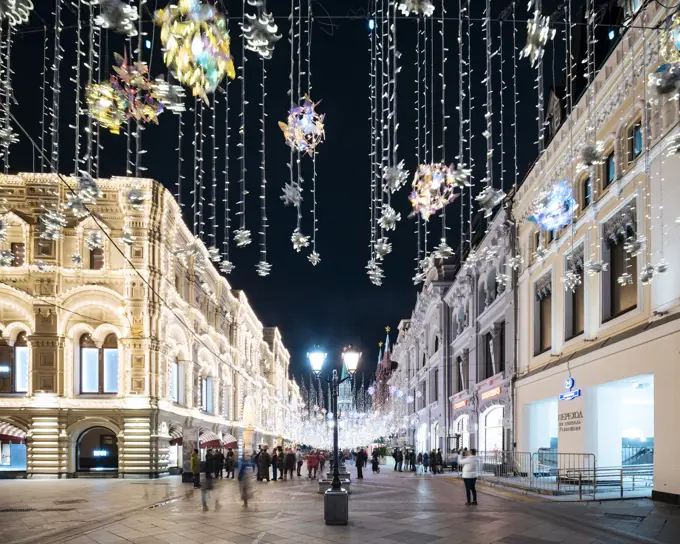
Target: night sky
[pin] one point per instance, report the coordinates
(334, 303)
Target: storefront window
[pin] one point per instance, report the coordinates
(14, 365)
(463, 432)
(98, 367)
(492, 436)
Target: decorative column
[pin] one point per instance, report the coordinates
(47, 445)
(47, 354)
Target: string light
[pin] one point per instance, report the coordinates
(226, 266)
(56, 88)
(242, 234)
(263, 267)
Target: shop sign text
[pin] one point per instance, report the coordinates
(460, 404)
(570, 421)
(491, 393)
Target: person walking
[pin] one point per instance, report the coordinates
(290, 462)
(299, 460)
(244, 484)
(312, 464)
(440, 461)
(360, 464)
(454, 461)
(375, 462)
(413, 460)
(395, 455)
(255, 458)
(209, 471)
(322, 461)
(275, 463)
(469, 464)
(433, 462)
(426, 461)
(400, 460)
(281, 463)
(196, 468)
(263, 462)
(219, 464)
(230, 462)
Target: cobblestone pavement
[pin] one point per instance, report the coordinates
(384, 509)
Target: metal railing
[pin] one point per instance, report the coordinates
(637, 456)
(550, 472)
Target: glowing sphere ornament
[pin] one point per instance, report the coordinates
(131, 81)
(417, 7)
(117, 16)
(305, 128)
(15, 12)
(538, 35)
(554, 208)
(196, 43)
(105, 106)
(260, 33)
(433, 187)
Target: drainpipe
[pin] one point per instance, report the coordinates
(515, 313)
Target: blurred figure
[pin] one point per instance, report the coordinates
(290, 462)
(322, 462)
(275, 463)
(281, 462)
(412, 459)
(209, 471)
(375, 463)
(219, 464)
(454, 461)
(244, 484)
(263, 462)
(196, 468)
(230, 462)
(426, 461)
(312, 463)
(439, 461)
(298, 459)
(359, 462)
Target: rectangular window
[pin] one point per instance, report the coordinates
(174, 381)
(586, 193)
(96, 258)
(634, 141)
(5, 368)
(623, 297)
(21, 369)
(537, 240)
(609, 170)
(545, 323)
(18, 249)
(111, 370)
(204, 394)
(436, 384)
(551, 237)
(89, 369)
(44, 248)
(490, 355)
(500, 360)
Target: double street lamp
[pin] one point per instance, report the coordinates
(336, 500)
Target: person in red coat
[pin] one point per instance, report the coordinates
(312, 463)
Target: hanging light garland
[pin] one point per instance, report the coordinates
(16, 12)
(538, 35)
(260, 30)
(242, 235)
(116, 15)
(416, 7)
(196, 42)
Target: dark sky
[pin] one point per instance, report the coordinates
(333, 304)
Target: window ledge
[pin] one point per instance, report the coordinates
(539, 353)
(97, 395)
(14, 394)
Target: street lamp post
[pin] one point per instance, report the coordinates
(336, 499)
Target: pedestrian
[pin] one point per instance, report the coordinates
(395, 455)
(209, 471)
(299, 460)
(196, 468)
(312, 464)
(244, 484)
(263, 462)
(290, 462)
(426, 461)
(219, 464)
(375, 463)
(420, 459)
(413, 460)
(360, 464)
(256, 457)
(400, 460)
(275, 463)
(229, 462)
(433, 462)
(454, 461)
(469, 464)
(440, 461)
(322, 461)
(281, 463)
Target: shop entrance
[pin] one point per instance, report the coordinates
(541, 421)
(462, 432)
(97, 451)
(491, 430)
(623, 433)
(12, 448)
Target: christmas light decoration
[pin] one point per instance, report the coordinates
(433, 187)
(382, 247)
(260, 31)
(263, 268)
(117, 16)
(593, 267)
(106, 106)
(52, 223)
(314, 258)
(635, 245)
(443, 250)
(299, 240)
(196, 43)
(292, 195)
(242, 237)
(305, 127)
(170, 95)
(94, 240)
(538, 35)
(555, 207)
(394, 177)
(15, 12)
(131, 81)
(417, 7)
(489, 198)
(666, 80)
(6, 257)
(135, 198)
(389, 218)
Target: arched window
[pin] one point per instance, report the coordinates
(14, 365)
(99, 366)
(207, 394)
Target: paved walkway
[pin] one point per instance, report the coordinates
(387, 508)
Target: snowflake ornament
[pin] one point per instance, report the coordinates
(292, 194)
(6, 257)
(242, 237)
(135, 198)
(116, 15)
(635, 246)
(15, 12)
(214, 254)
(571, 280)
(77, 260)
(461, 176)
(127, 238)
(52, 222)
(647, 274)
(538, 35)
(260, 32)
(8, 137)
(389, 218)
(489, 198)
(515, 262)
(299, 240)
(625, 279)
(593, 154)
(394, 177)
(314, 258)
(87, 188)
(443, 250)
(595, 267)
(94, 240)
(227, 267)
(263, 268)
(662, 267)
(417, 7)
(540, 254)
(375, 272)
(382, 247)
(503, 280)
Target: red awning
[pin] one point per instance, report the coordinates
(12, 439)
(9, 433)
(176, 441)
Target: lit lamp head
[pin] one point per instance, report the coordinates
(316, 359)
(351, 358)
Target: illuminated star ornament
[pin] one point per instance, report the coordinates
(394, 177)
(196, 43)
(299, 240)
(117, 16)
(433, 187)
(389, 218)
(554, 208)
(260, 31)
(489, 198)
(242, 237)
(417, 7)
(292, 194)
(314, 258)
(305, 127)
(15, 11)
(538, 35)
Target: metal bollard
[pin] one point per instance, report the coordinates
(622, 483)
(580, 494)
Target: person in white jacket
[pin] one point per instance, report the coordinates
(469, 464)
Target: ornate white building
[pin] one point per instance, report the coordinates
(122, 361)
